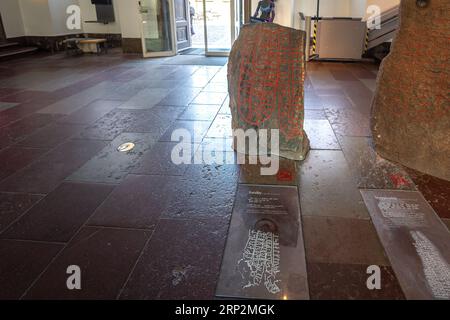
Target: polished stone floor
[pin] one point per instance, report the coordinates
(142, 228)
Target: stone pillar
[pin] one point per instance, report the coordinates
(411, 109)
(266, 72)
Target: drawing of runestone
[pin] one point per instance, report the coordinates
(411, 109)
(266, 73)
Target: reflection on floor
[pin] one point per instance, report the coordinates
(141, 227)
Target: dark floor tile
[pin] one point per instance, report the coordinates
(180, 96)
(146, 98)
(348, 282)
(311, 114)
(217, 145)
(321, 135)
(210, 98)
(111, 165)
(8, 91)
(286, 174)
(13, 159)
(221, 127)
(358, 92)
(225, 109)
(51, 136)
(327, 187)
(60, 214)
(156, 122)
(44, 174)
(21, 129)
(363, 104)
(343, 75)
(336, 102)
(371, 170)
(7, 105)
(25, 96)
(21, 111)
(323, 79)
(447, 223)
(158, 160)
(330, 92)
(113, 124)
(136, 203)
(216, 87)
(363, 73)
(21, 262)
(129, 75)
(196, 129)
(185, 266)
(92, 112)
(105, 257)
(349, 122)
(197, 81)
(200, 112)
(13, 205)
(436, 191)
(312, 101)
(342, 241)
(204, 191)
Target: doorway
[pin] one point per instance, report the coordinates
(182, 24)
(2, 31)
(158, 28)
(202, 27)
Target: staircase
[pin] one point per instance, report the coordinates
(11, 50)
(380, 39)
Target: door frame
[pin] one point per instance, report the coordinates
(188, 20)
(2, 30)
(232, 30)
(174, 50)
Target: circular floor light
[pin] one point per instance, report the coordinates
(126, 147)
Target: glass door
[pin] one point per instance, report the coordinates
(219, 26)
(158, 28)
(237, 10)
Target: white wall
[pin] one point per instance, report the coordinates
(130, 18)
(328, 8)
(48, 18)
(384, 4)
(12, 18)
(59, 16)
(358, 8)
(36, 17)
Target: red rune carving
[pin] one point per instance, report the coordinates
(284, 175)
(272, 80)
(257, 93)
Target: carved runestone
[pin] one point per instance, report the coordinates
(266, 72)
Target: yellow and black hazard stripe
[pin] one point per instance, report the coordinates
(315, 38)
(366, 42)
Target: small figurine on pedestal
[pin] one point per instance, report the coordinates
(267, 9)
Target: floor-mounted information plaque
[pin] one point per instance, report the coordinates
(416, 241)
(265, 255)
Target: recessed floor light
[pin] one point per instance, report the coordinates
(126, 147)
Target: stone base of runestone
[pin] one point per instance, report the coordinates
(411, 110)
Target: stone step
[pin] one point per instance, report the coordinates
(4, 45)
(16, 52)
